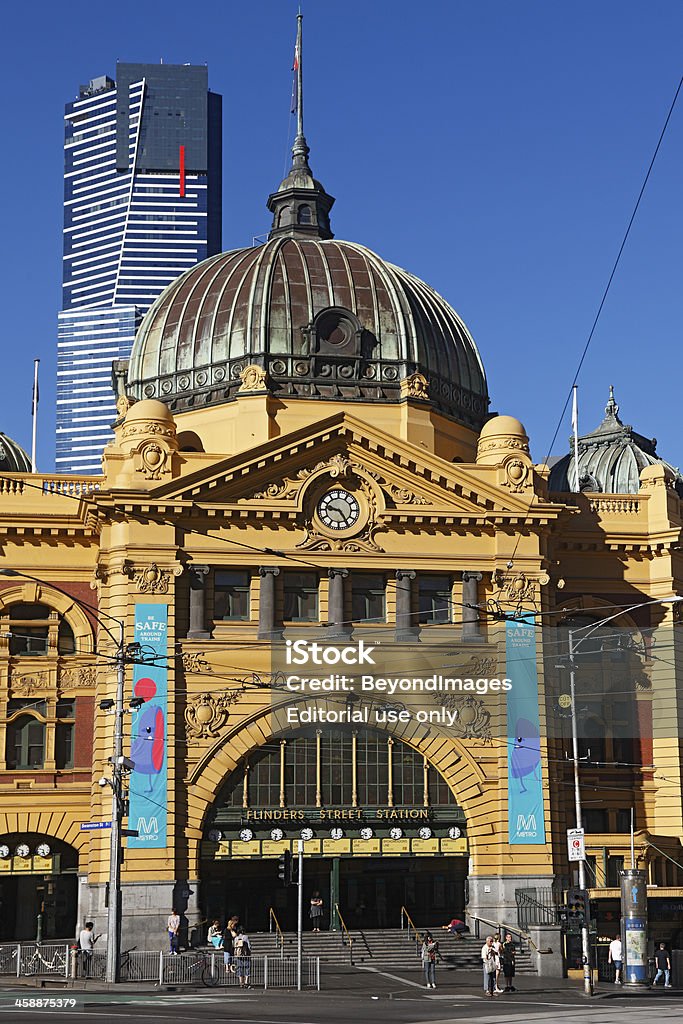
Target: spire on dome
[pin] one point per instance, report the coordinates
(612, 409)
(301, 206)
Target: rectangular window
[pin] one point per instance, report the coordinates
(301, 597)
(434, 598)
(615, 865)
(64, 733)
(231, 595)
(368, 602)
(624, 821)
(595, 819)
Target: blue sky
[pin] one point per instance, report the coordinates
(494, 149)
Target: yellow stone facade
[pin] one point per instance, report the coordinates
(434, 497)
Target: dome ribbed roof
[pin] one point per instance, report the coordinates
(610, 459)
(13, 458)
(325, 318)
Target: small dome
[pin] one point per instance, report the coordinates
(149, 409)
(326, 319)
(611, 459)
(503, 426)
(13, 458)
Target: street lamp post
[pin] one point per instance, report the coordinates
(574, 644)
(116, 781)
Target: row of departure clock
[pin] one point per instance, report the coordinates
(277, 834)
(23, 850)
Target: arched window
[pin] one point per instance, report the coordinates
(312, 770)
(37, 630)
(304, 215)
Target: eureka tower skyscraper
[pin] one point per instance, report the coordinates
(142, 204)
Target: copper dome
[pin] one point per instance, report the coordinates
(326, 319)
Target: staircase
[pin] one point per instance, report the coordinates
(386, 948)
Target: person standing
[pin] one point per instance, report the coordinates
(173, 931)
(86, 943)
(242, 956)
(663, 961)
(615, 957)
(316, 911)
(490, 962)
(228, 944)
(498, 946)
(428, 955)
(508, 954)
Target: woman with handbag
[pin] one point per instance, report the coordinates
(491, 964)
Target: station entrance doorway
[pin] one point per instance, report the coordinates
(381, 830)
(38, 888)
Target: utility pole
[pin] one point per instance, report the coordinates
(585, 941)
(300, 913)
(114, 902)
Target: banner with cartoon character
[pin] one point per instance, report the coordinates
(148, 780)
(526, 824)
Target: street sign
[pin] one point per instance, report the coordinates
(576, 844)
(130, 832)
(88, 826)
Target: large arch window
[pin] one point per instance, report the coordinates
(336, 767)
(36, 630)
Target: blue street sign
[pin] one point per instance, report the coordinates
(86, 826)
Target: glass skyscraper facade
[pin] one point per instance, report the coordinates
(142, 204)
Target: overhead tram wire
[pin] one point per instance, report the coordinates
(606, 292)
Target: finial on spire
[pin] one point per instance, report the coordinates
(301, 206)
(611, 409)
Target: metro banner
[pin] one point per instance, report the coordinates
(148, 811)
(526, 817)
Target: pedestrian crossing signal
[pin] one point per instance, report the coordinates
(284, 868)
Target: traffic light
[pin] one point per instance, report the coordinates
(284, 868)
(579, 905)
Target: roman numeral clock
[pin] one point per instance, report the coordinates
(338, 510)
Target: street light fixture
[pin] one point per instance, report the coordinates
(116, 781)
(574, 644)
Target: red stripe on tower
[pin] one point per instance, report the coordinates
(182, 170)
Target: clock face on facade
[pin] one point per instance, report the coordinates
(246, 835)
(43, 850)
(4, 851)
(425, 832)
(336, 833)
(338, 509)
(454, 832)
(306, 833)
(215, 835)
(366, 833)
(276, 834)
(22, 850)
(396, 833)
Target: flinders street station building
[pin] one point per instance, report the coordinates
(347, 608)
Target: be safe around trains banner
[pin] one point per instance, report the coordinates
(526, 819)
(148, 781)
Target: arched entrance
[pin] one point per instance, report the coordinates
(38, 887)
(381, 827)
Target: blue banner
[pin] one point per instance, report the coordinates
(148, 811)
(526, 824)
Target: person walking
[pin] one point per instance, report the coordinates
(242, 956)
(663, 962)
(316, 911)
(86, 943)
(173, 926)
(490, 962)
(508, 954)
(428, 955)
(615, 957)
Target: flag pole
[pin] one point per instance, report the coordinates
(575, 428)
(34, 414)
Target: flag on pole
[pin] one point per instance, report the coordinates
(295, 83)
(295, 65)
(575, 431)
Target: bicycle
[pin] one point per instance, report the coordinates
(206, 967)
(56, 965)
(8, 960)
(129, 969)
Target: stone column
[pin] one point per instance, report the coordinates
(266, 605)
(335, 603)
(406, 623)
(198, 574)
(471, 627)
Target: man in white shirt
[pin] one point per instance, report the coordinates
(86, 943)
(615, 958)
